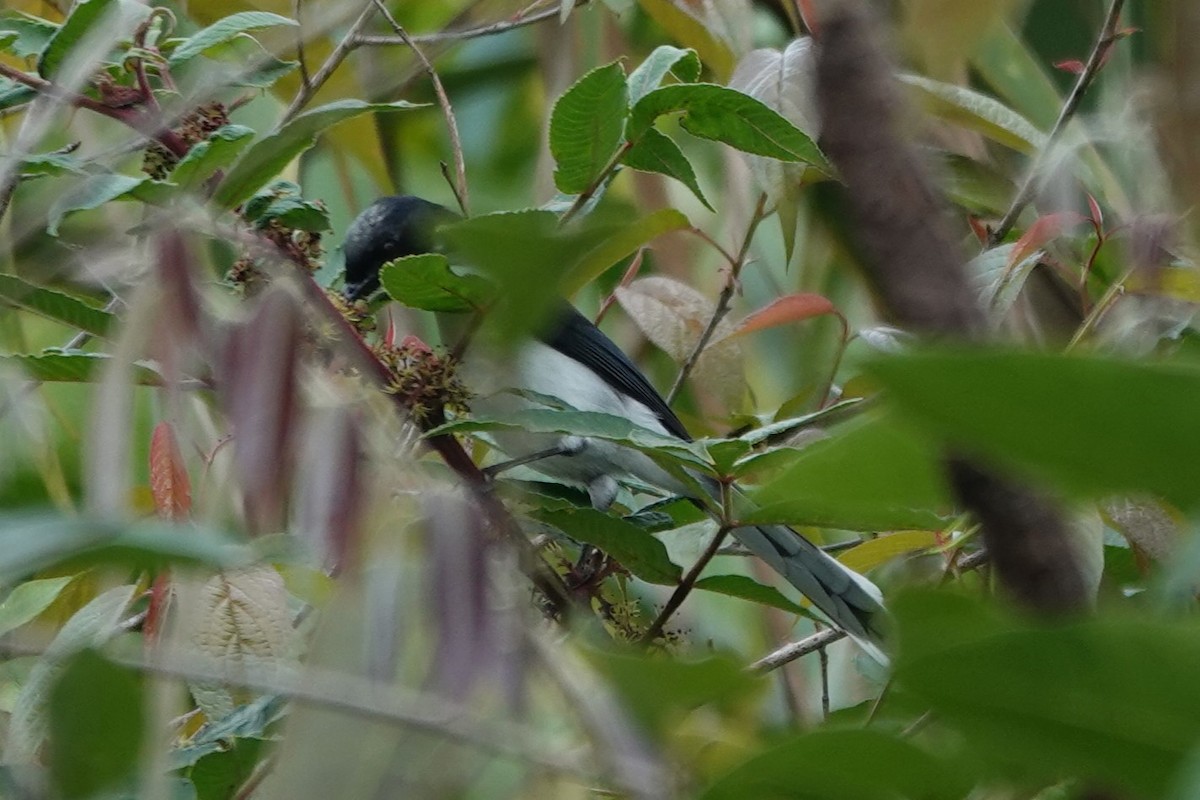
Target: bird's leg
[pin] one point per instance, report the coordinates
(567, 446)
(592, 560)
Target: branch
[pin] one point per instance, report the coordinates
(689, 580)
(308, 88)
(912, 260)
(723, 301)
(490, 29)
(793, 650)
(366, 698)
(1099, 54)
(460, 168)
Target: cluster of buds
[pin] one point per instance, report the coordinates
(196, 126)
(356, 312)
(425, 381)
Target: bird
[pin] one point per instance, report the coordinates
(573, 360)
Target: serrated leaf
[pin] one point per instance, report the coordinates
(55, 305)
(270, 154)
(586, 126)
(93, 25)
(93, 192)
(726, 115)
(90, 626)
(215, 153)
(980, 113)
(874, 552)
(655, 152)
(1093, 426)
(61, 366)
(225, 30)
(622, 242)
(241, 619)
(665, 60)
(689, 31)
(426, 281)
(28, 600)
(872, 473)
(96, 725)
(169, 482)
(784, 81)
(748, 589)
(637, 550)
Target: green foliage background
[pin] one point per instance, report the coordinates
(229, 570)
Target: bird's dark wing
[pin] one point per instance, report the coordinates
(573, 335)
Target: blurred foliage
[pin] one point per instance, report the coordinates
(230, 568)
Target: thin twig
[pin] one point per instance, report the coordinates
(723, 302)
(460, 167)
(298, 14)
(793, 650)
(689, 580)
(1108, 35)
(490, 29)
(590, 191)
(309, 88)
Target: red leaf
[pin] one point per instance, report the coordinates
(789, 308)
(978, 228)
(1072, 65)
(1097, 214)
(1045, 229)
(169, 483)
(414, 343)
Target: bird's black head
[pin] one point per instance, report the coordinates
(389, 228)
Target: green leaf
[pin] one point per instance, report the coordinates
(726, 115)
(537, 254)
(92, 25)
(93, 192)
(282, 203)
(586, 126)
(426, 281)
(73, 366)
(33, 542)
(96, 725)
(225, 30)
(219, 775)
(666, 59)
(32, 34)
(637, 550)
(691, 32)
(660, 692)
(586, 423)
(269, 155)
(13, 94)
(623, 241)
(51, 164)
(55, 305)
(216, 152)
(872, 473)
(1092, 425)
(247, 721)
(748, 589)
(1107, 699)
(28, 600)
(978, 112)
(858, 764)
(655, 152)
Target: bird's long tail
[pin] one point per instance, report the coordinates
(851, 602)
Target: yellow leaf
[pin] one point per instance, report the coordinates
(871, 554)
